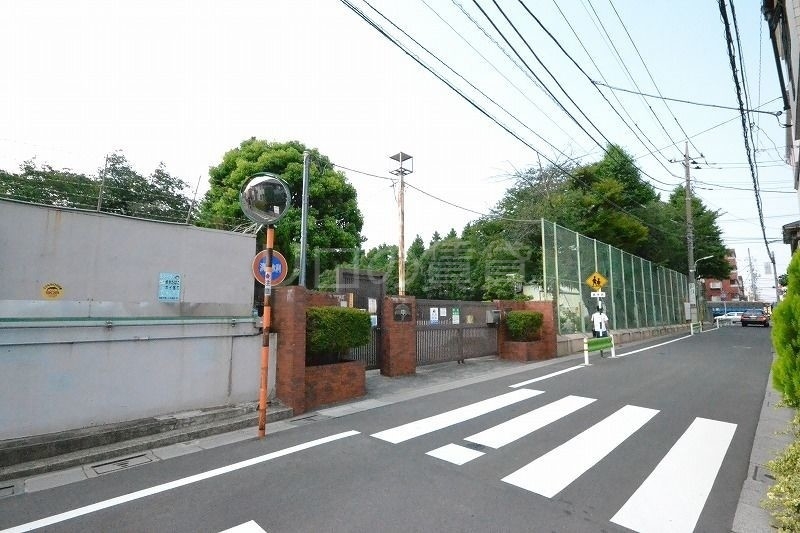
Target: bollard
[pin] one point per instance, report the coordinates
(586, 352)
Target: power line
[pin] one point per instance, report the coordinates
(732, 59)
(630, 76)
(621, 105)
(574, 62)
(536, 56)
(651, 75)
(690, 102)
(555, 165)
(494, 67)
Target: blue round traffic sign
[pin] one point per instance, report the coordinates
(279, 267)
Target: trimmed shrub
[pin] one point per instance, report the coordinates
(786, 338)
(524, 325)
(332, 331)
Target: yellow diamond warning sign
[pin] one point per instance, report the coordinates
(596, 281)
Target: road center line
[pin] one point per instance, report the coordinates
(125, 498)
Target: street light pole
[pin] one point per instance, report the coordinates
(401, 251)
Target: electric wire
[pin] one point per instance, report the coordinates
(490, 99)
(494, 67)
(586, 75)
(650, 74)
(600, 73)
(630, 76)
(555, 165)
(732, 60)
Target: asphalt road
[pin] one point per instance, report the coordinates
(657, 440)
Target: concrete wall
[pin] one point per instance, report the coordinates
(573, 343)
(106, 258)
(105, 349)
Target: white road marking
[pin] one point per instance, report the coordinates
(671, 499)
(434, 423)
(453, 453)
(653, 346)
(247, 527)
(547, 376)
(523, 425)
(551, 473)
(112, 502)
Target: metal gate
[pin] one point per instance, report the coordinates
(364, 285)
(449, 330)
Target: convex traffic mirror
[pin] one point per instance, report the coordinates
(264, 198)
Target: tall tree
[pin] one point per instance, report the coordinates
(334, 220)
(707, 238)
(415, 267)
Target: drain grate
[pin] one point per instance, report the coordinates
(6, 491)
(122, 464)
(311, 418)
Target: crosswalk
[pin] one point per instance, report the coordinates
(663, 502)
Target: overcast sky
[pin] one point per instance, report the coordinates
(184, 81)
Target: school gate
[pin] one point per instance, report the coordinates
(449, 330)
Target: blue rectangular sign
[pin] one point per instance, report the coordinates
(169, 287)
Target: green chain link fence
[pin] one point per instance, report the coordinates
(638, 293)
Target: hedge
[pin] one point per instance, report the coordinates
(332, 331)
(524, 325)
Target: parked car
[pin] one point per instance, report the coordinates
(755, 317)
(732, 316)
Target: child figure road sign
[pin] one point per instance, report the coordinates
(596, 281)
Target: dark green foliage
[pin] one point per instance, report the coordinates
(786, 338)
(524, 326)
(331, 331)
(334, 219)
(124, 191)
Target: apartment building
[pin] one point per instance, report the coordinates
(726, 290)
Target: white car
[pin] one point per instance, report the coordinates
(731, 317)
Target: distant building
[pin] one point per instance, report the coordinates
(726, 290)
(783, 19)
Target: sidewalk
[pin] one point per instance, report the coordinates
(770, 437)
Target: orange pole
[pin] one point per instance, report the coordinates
(267, 320)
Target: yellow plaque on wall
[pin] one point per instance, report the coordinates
(52, 291)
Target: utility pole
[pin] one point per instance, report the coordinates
(401, 251)
(775, 275)
(689, 230)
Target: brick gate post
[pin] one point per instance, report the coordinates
(399, 336)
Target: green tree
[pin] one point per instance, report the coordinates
(43, 184)
(450, 271)
(334, 220)
(707, 238)
(119, 187)
(415, 268)
(614, 197)
(786, 338)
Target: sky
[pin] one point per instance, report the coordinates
(182, 82)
